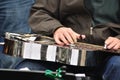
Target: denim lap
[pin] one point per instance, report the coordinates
(14, 16)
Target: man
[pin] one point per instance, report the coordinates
(68, 21)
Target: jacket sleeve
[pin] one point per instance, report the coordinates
(44, 17)
(103, 31)
(116, 31)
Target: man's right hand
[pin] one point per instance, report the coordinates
(66, 36)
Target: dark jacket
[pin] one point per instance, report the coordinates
(80, 15)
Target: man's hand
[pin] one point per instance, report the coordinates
(112, 43)
(66, 36)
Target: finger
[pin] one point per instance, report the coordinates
(108, 41)
(73, 35)
(58, 41)
(111, 45)
(69, 37)
(116, 47)
(63, 39)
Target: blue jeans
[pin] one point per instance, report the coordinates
(14, 16)
(112, 69)
(7, 61)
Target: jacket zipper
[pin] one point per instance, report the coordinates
(90, 16)
(91, 30)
